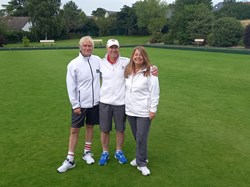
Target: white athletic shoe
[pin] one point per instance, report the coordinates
(88, 158)
(133, 162)
(65, 166)
(144, 170)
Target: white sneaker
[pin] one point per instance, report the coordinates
(88, 158)
(144, 170)
(133, 162)
(65, 166)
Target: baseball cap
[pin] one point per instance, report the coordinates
(111, 42)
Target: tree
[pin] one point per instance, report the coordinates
(2, 40)
(44, 17)
(89, 27)
(2, 25)
(82, 19)
(226, 32)
(151, 14)
(105, 25)
(126, 20)
(194, 21)
(72, 16)
(201, 24)
(99, 12)
(16, 8)
(246, 37)
(238, 10)
(229, 2)
(2, 32)
(180, 4)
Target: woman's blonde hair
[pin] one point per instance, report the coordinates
(130, 69)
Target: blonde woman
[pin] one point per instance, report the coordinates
(141, 100)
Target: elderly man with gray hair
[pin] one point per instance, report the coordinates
(83, 86)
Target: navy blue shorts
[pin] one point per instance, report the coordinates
(90, 114)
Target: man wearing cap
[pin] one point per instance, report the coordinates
(112, 100)
(112, 103)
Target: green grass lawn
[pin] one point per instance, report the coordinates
(200, 137)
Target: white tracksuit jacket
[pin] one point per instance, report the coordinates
(83, 81)
(113, 81)
(142, 94)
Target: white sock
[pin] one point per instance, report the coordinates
(70, 156)
(87, 147)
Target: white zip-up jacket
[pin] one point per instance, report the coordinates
(142, 94)
(113, 81)
(83, 81)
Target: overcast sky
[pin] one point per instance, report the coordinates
(113, 5)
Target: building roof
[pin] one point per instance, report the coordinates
(111, 12)
(16, 23)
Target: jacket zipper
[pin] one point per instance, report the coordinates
(92, 83)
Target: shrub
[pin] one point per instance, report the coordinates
(14, 36)
(246, 37)
(2, 40)
(226, 32)
(168, 39)
(156, 37)
(210, 39)
(25, 41)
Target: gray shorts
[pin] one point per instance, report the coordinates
(107, 113)
(91, 115)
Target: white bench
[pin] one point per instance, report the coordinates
(98, 41)
(199, 41)
(51, 42)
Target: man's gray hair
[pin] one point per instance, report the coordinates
(84, 39)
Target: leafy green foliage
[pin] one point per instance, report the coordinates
(14, 36)
(105, 25)
(167, 39)
(246, 37)
(201, 24)
(2, 40)
(226, 32)
(238, 10)
(89, 27)
(183, 21)
(70, 15)
(25, 41)
(44, 18)
(99, 12)
(151, 14)
(2, 26)
(127, 21)
(16, 8)
(194, 21)
(180, 4)
(156, 37)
